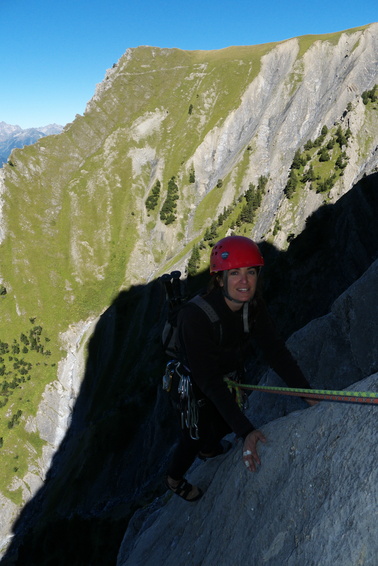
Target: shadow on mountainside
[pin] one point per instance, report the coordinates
(114, 454)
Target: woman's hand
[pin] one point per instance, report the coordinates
(250, 455)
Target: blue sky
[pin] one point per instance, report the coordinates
(54, 52)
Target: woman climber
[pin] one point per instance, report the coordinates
(209, 356)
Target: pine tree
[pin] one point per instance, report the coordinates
(167, 213)
(194, 262)
(323, 154)
(308, 175)
(192, 175)
(308, 145)
(297, 161)
(291, 184)
(340, 137)
(324, 131)
(153, 198)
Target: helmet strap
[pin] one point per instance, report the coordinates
(225, 289)
(244, 303)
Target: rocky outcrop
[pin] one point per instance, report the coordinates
(313, 501)
(314, 498)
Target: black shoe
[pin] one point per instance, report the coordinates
(183, 490)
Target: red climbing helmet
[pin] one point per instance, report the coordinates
(233, 252)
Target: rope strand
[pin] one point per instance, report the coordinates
(323, 394)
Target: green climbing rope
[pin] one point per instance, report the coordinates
(322, 394)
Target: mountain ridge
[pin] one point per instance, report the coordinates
(13, 136)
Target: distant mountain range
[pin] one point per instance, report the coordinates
(15, 136)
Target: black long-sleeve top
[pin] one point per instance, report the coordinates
(211, 354)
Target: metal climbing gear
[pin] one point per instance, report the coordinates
(188, 404)
(168, 375)
(177, 381)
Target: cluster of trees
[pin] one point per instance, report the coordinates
(318, 141)
(4, 348)
(12, 378)
(301, 171)
(167, 213)
(168, 209)
(15, 420)
(192, 175)
(153, 198)
(34, 341)
(252, 197)
(15, 371)
(370, 95)
(325, 185)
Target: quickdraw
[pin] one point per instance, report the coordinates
(188, 405)
(323, 394)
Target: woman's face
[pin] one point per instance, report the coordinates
(242, 283)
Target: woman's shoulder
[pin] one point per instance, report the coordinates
(200, 304)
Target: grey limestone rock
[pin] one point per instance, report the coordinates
(314, 499)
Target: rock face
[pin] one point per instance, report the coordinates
(313, 501)
(314, 498)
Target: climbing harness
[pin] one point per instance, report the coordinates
(323, 394)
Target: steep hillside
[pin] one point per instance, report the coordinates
(175, 149)
(229, 116)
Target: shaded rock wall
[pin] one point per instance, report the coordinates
(314, 499)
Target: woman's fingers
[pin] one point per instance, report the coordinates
(250, 454)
